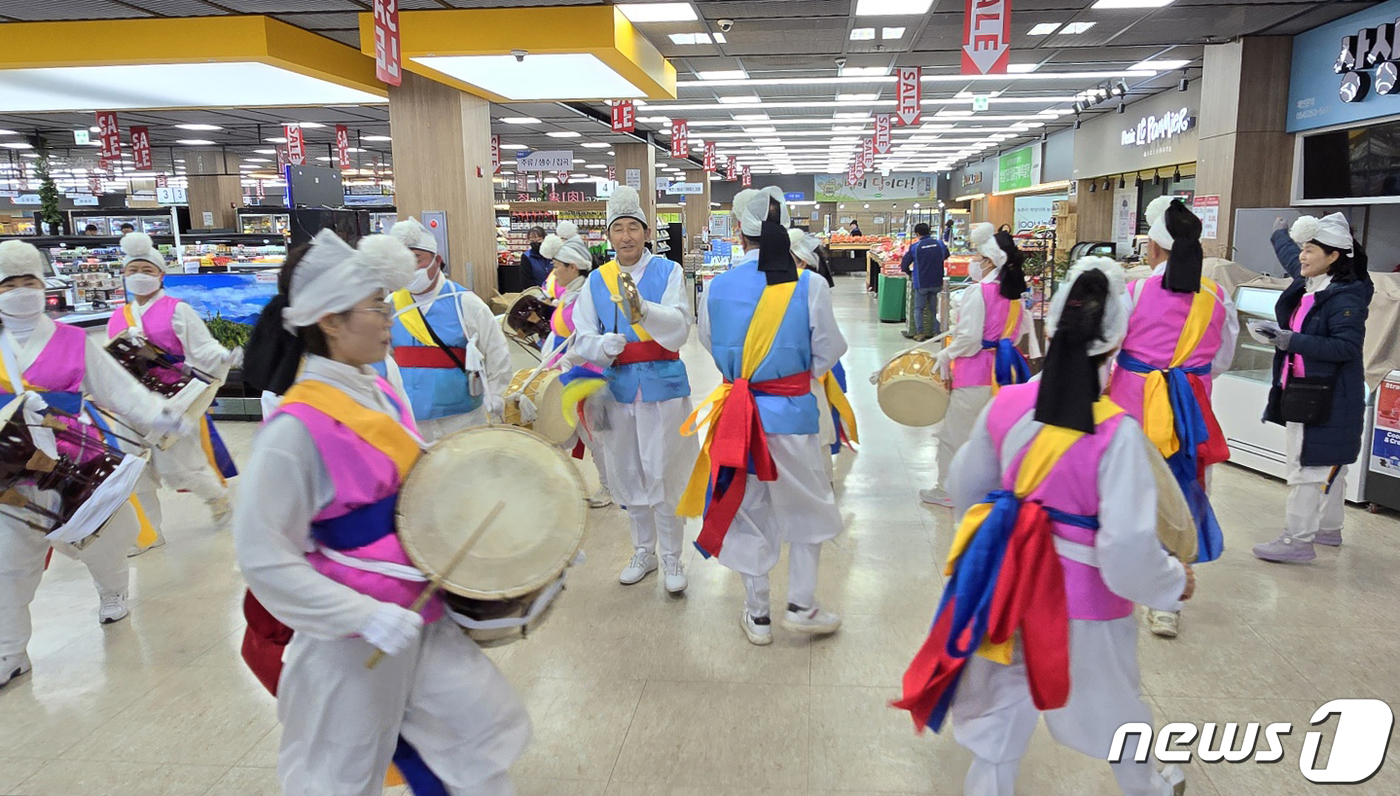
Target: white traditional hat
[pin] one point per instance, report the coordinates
(804, 246)
(20, 258)
(138, 247)
(566, 230)
(984, 240)
(572, 251)
(1156, 221)
(1333, 230)
(751, 208)
(411, 233)
(1115, 312)
(333, 277)
(625, 202)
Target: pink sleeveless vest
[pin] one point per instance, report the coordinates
(57, 373)
(363, 476)
(977, 370)
(1068, 489)
(157, 322)
(1158, 317)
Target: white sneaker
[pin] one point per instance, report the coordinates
(600, 499)
(675, 574)
(137, 550)
(812, 620)
(935, 497)
(758, 629)
(1166, 624)
(643, 564)
(12, 666)
(112, 609)
(221, 509)
(1176, 778)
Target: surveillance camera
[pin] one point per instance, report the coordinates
(519, 55)
(840, 62)
(726, 25)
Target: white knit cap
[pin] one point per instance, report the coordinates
(572, 251)
(411, 233)
(625, 202)
(804, 246)
(566, 230)
(984, 240)
(20, 258)
(332, 277)
(751, 208)
(1156, 221)
(137, 247)
(1333, 230)
(1115, 312)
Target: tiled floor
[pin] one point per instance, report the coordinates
(634, 693)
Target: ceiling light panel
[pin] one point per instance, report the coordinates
(557, 77)
(684, 39)
(1111, 4)
(1076, 28)
(1045, 29)
(723, 74)
(1163, 65)
(658, 12)
(890, 34)
(862, 34)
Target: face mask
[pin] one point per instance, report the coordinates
(421, 282)
(22, 302)
(535, 247)
(142, 284)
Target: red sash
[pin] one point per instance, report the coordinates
(645, 351)
(421, 356)
(263, 642)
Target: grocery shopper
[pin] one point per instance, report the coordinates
(760, 481)
(855, 229)
(60, 365)
(981, 354)
(1058, 540)
(923, 261)
(199, 463)
(325, 567)
(448, 350)
(1319, 382)
(647, 458)
(535, 264)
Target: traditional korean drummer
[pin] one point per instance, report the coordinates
(315, 538)
(59, 365)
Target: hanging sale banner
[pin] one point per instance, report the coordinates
(986, 37)
(495, 154)
(109, 134)
(261, 192)
(94, 185)
(522, 182)
(161, 181)
(867, 154)
(680, 138)
(342, 146)
(387, 60)
(883, 125)
(296, 145)
(851, 176)
(624, 116)
(612, 173)
(562, 177)
(731, 169)
(745, 178)
(282, 160)
(709, 156)
(141, 148)
(909, 95)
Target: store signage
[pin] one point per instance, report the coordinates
(296, 145)
(867, 154)
(109, 134)
(851, 176)
(1207, 208)
(794, 196)
(986, 37)
(680, 138)
(981, 102)
(612, 173)
(634, 178)
(94, 184)
(562, 177)
(1385, 445)
(731, 169)
(161, 181)
(545, 160)
(171, 196)
(495, 154)
(1015, 170)
(1035, 213)
(342, 146)
(969, 180)
(1370, 48)
(81, 138)
(896, 185)
(685, 189)
(624, 116)
(87, 200)
(709, 156)
(27, 199)
(388, 65)
(1151, 129)
(745, 178)
(883, 143)
(282, 160)
(1346, 71)
(522, 181)
(260, 190)
(909, 95)
(141, 148)
(662, 183)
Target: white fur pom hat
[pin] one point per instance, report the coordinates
(984, 240)
(333, 277)
(137, 246)
(1156, 221)
(572, 251)
(19, 258)
(625, 202)
(411, 233)
(1333, 230)
(1115, 314)
(566, 230)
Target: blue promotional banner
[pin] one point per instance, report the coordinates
(1346, 71)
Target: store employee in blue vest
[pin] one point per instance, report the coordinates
(648, 459)
(448, 355)
(924, 261)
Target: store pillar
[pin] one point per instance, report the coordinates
(215, 188)
(1246, 157)
(697, 210)
(636, 166)
(442, 161)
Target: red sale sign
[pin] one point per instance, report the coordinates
(745, 179)
(388, 65)
(709, 156)
(612, 173)
(680, 138)
(909, 95)
(867, 154)
(109, 134)
(141, 148)
(851, 175)
(986, 37)
(296, 145)
(161, 181)
(342, 146)
(495, 154)
(883, 124)
(562, 177)
(624, 116)
(731, 169)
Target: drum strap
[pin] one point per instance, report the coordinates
(386, 568)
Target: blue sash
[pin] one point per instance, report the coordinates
(359, 527)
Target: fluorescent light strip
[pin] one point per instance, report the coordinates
(927, 78)
(877, 103)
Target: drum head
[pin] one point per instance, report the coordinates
(457, 482)
(1176, 529)
(913, 401)
(549, 399)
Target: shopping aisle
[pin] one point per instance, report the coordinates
(636, 693)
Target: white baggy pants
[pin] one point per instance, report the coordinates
(648, 464)
(964, 405)
(1316, 495)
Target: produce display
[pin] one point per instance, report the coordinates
(855, 240)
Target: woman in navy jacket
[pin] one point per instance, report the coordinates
(1322, 316)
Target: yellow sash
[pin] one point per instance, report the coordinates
(1046, 449)
(413, 322)
(390, 438)
(1158, 420)
(838, 401)
(128, 315)
(611, 274)
(758, 341)
(5, 384)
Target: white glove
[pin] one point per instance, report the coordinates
(941, 365)
(234, 360)
(392, 629)
(495, 404)
(613, 344)
(169, 422)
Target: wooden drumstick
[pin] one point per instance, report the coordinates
(435, 582)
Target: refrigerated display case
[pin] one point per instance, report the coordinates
(264, 223)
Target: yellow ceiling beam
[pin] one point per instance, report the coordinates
(601, 31)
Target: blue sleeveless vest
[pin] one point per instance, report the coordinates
(659, 380)
(437, 392)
